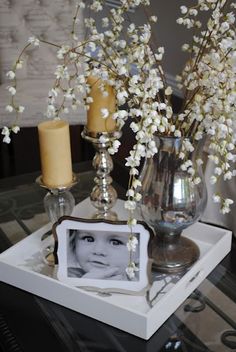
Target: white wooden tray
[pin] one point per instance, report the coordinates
(23, 266)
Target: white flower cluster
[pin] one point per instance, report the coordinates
(6, 133)
(131, 270)
(13, 106)
(132, 246)
(209, 80)
(224, 203)
(122, 56)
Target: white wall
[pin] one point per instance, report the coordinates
(167, 33)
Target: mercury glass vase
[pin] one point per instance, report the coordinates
(171, 202)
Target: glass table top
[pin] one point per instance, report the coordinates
(206, 321)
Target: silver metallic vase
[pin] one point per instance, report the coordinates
(171, 203)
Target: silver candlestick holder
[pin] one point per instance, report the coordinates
(58, 202)
(103, 196)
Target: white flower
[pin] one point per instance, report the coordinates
(132, 160)
(191, 171)
(20, 109)
(230, 146)
(5, 131)
(228, 201)
(15, 129)
(131, 222)
(122, 70)
(185, 47)
(19, 64)
(114, 148)
(134, 126)
(193, 12)
(51, 111)
(183, 9)
(180, 20)
(225, 208)
(69, 95)
(218, 171)
(12, 90)
(122, 96)
(132, 243)
(121, 114)
(6, 139)
(62, 72)
(138, 197)
(33, 40)
(104, 113)
(197, 180)
(136, 183)
(153, 19)
(130, 192)
(9, 108)
(168, 91)
(89, 100)
(130, 270)
(130, 205)
(213, 180)
(116, 144)
(96, 6)
(133, 171)
(229, 156)
(66, 110)
(105, 22)
(216, 198)
(10, 74)
(53, 93)
(199, 162)
(73, 55)
(103, 139)
(228, 175)
(177, 133)
(63, 51)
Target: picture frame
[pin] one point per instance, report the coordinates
(93, 254)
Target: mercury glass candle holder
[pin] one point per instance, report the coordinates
(58, 202)
(103, 196)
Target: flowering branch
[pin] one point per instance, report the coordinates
(124, 57)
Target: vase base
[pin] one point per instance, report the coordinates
(174, 257)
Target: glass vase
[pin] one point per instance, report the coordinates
(171, 202)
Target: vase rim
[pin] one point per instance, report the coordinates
(172, 137)
(182, 138)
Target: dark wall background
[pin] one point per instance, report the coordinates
(22, 154)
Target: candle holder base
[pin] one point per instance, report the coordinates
(58, 202)
(109, 215)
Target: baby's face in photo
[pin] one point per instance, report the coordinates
(98, 251)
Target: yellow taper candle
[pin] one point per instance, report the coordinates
(95, 120)
(55, 153)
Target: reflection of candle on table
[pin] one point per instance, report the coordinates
(55, 153)
(95, 120)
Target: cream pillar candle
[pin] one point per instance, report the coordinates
(55, 153)
(95, 121)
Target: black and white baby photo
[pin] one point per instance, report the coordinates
(100, 255)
